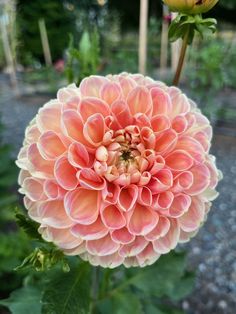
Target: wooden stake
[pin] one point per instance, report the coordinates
(143, 19)
(8, 54)
(164, 41)
(45, 43)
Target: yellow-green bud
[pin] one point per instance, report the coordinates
(190, 6)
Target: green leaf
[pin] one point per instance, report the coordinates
(183, 287)
(68, 293)
(163, 278)
(29, 226)
(24, 300)
(121, 303)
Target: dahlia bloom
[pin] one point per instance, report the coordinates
(190, 6)
(118, 171)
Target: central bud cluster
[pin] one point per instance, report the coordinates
(123, 158)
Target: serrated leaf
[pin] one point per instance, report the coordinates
(24, 300)
(68, 293)
(29, 226)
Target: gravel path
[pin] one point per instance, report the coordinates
(212, 252)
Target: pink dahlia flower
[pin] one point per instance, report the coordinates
(118, 170)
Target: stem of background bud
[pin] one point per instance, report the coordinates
(181, 57)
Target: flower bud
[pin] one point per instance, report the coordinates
(190, 6)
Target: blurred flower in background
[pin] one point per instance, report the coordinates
(191, 6)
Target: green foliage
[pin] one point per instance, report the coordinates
(59, 22)
(189, 24)
(84, 60)
(24, 300)
(167, 279)
(29, 226)
(42, 259)
(68, 293)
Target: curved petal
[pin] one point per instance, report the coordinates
(180, 205)
(40, 167)
(139, 101)
(192, 147)
(192, 220)
(78, 156)
(145, 196)
(50, 145)
(94, 129)
(167, 243)
(65, 174)
(94, 231)
(54, 215)
(122, 236)
(91, 105)
(89, 179)
(166, 142)
(102, 247)
(90, 86)
(160, 230)
(127, 197)
(201, 179)
(82, 205)
(112, 217)
(33, 189)
(49, 117)
(133, 248)
(142, 220)
(52, 190)
(179, 160)
(110, 92)
(161, 182)
(161, 101)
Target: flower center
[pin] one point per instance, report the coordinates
(126, 155)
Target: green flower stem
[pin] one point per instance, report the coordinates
(181, 57)
(94, 289)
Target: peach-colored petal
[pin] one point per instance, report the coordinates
(191, 220)
(110, 92)
(32, 134)
(168, 242)
(52, 190)
(121, 113)
(82, 205)
(65, 174)
(148, 256)
(122, 236)
(93, 231)
(166, 142)
(50, 145)
(79, 157)
(142, 220)
(91, 105)
(102, 247)
(160, 230)
(179, 160)
(39, 167)
(90, 86)
(127, 197)
(182, 181)
(201, 179)
(145, 196)
(112, 217)
(180, 205)
(160, 123)
(54, 215)
(133, 248)
(49, 118)
(161, 101)
(191, 146)
(94, 129)
(33, 188)
(89, 179)
(161, 182)
(139, 101)
(163, 201)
